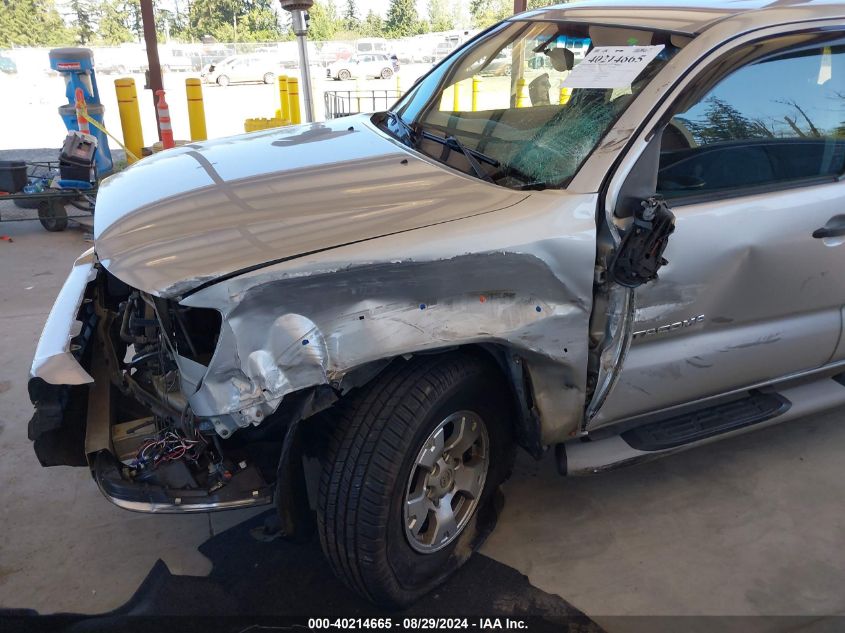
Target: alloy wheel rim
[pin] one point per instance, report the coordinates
(446, 482)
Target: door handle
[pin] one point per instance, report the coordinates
(835, 227)
(828, 231)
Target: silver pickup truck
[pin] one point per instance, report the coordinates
(617, 255)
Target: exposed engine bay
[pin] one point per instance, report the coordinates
(146, 444)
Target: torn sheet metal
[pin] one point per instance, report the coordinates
(319, 319)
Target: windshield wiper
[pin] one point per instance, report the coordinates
(408, 134)
(473, 157)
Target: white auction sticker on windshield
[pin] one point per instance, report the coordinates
(611, 66)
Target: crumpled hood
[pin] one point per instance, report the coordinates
(190, 215)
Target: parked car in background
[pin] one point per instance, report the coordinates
(200, 60)
(7, 65)
(378, 65)
(442, 51)
(243, 69)
(331, 52)
(173, 59)
(500, 66)
(371, 45)
(360, 321)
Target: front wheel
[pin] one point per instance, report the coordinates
(386, 73)
(223, 80)
(344, 75)
(409, 478)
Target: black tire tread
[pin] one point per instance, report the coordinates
(351, 514)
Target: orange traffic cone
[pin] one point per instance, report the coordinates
(164, 126)
(81, 111)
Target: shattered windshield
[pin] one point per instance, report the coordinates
(524, 105)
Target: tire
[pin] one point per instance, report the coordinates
(371, 468)
(52, 215)
(386, 73)
(223, 80)
(344, 75)
(269, 78)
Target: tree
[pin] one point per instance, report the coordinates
(324, 22)
(83, 18)
(402, 19)
(487, 12)
(113, 24)
(440, 15)
(373, 25)
(32, 23)
(350, 17)
(723, 122)
(234, 20)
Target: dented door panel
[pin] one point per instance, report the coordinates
(747, 296)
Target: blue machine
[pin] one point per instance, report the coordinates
(76, 65)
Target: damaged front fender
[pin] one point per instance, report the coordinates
(303, 324)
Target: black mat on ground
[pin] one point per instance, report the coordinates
(260, 585)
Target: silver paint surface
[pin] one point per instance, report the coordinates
(381, 252)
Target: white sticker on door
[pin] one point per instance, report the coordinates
(611, 66)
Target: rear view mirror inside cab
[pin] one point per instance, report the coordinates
(562, 59)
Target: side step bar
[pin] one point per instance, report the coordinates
(655, 439)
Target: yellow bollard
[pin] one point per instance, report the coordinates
(565, 95)
(476, 88)
(293, 99)
(196, 109)
(398, 85)
(284, 111)
(130, 116)
(456, 97)
(522, 93)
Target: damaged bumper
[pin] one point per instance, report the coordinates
(55, 361)
(96, 405)
(58, 380)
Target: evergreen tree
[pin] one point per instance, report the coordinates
(487, 12)
(324, 22)
(723, 122)
(83, 20)
(32, 23)
(350, 17)
(440, 16)
(402, 19)
(113, 23)
(373, 25)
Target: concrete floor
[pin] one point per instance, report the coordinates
(749, 526)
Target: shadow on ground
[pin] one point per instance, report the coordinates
(261, 585)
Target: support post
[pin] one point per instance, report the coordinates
(293, 100)
(151, 41)
(300, 28)
(476, 88)
(299, 22)
(519, 6)
(196, 109)
(130, 117)
(284, 100)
